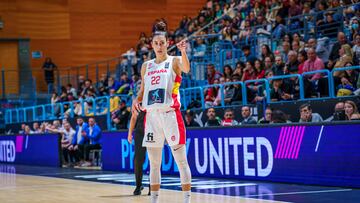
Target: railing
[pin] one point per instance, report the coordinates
(101, 105)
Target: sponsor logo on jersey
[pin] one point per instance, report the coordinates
(157, 72)
(156, 96)
(167, 65)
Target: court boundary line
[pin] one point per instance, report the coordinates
(123, 185)
(304, 192)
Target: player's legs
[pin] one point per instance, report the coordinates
(155, 156)
(179, 153)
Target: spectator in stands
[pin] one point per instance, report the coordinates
(67, 136)
(348, 80)
(267, 116)
(248, 55)
(81, 83)
(229, 118)
(278, 116)
(306, 114)
(266, 52)
(135, 86)
(246, 115)
(295, 46)
(240, 66)
(88, 87)
(93, 134)
(22, 129)
(302, 57)
(321, 48)
(346, 56)
(351, 110)
(356, 49)
(49, 68)
(56, 125)
(334, 54)
(321, 6)
(279, 28)
(278, 67)
(249, 72)
(71, 90)
(285, 50)
(114, 101)
(312, 64)
(268, 63)
(211, 94)
(259, 69)
(212, 74)
(292, 64)
(331, 26)
(355, 28)
(36, 128)
(227, 71)
(189, 119)
(219, 95)
(339, 113)
(245, 33)
(276, 90)
(121, 116)
(297, 39)
(212, 119)
(79, 140)
(124, 84)
(27, 130)
(233, 93)
(113, 84)
(294, 9)
(200, 48)
(102, 85)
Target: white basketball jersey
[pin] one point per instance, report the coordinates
(161, 86)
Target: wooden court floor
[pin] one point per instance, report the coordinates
(35, 189)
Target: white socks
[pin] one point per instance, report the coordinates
(154, 196)
(187, 196)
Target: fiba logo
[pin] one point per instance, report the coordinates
(150, 137)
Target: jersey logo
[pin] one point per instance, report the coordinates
(150, 65)
(167, 65)
(156, 96)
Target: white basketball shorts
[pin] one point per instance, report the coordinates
(160, 125)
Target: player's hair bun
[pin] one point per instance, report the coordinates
(161, 26)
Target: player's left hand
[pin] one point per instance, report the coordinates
(129, 138)
(182, 45)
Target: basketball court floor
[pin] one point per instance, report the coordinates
(20, 183)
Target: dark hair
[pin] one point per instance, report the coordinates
(160, 28)
(278, 116)
(228, 66)
(304, 106)
(303, 54)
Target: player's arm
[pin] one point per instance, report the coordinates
(132, 125)
(136, 102)
(184, 65)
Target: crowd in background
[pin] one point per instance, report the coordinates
(76, 143)
(293, 55)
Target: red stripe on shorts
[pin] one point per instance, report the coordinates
(181, 126)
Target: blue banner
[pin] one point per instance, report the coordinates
(37, 150)
(326, 155)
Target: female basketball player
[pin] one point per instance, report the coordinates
(160, 98)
